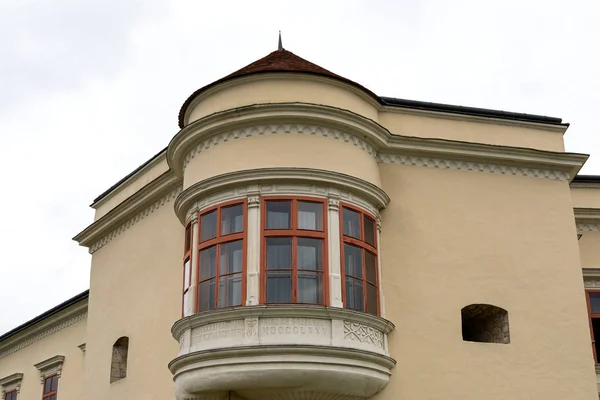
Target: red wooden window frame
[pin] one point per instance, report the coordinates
(187, 256)
(294, 233)
(47, 394)
(12, 395)
(217, 241)
(364, 246)
(592, 316)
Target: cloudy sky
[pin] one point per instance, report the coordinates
(91, 89)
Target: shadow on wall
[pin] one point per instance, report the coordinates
(485, 323)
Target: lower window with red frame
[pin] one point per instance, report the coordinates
(294, 251)
(12, 395)
(50, 388)
(359, 260)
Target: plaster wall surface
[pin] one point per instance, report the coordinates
(64, 343)
(282, 150)
(136, 292)
(491, 132)
(453, 238)
(589, 249)
(585, 197)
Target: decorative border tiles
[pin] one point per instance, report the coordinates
(45, 333)
(472, 166)
(134, 220)
(293, 129)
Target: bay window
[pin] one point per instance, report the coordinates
(359, 260)
(221, 256)
(294, 251)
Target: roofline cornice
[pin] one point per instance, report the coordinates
(129, 208)
(377, 136)
(371, 193)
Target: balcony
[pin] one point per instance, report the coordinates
(281, 352)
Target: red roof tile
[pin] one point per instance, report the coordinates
(277, 61)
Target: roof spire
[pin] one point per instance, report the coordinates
(280, 46)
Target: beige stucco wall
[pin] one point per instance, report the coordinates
(136, 292)
(149, 173)
(585, 197)
(589, 249)
(63, 342)
(453, 238)
(282, 88)
(471, 130)
(303, 151)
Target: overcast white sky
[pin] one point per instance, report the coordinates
(91, 89)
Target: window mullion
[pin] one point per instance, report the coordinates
(217, 272)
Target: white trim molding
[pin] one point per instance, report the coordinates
(587, 219)
(279, 181)
(143, 203)
(591, 278)
(44, 328)
(10, 383)
(368, 135)
(51, 366)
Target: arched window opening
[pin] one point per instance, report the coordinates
(118, 366)
(485, 323)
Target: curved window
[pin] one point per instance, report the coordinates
(294, 251)
(221, 256)
(359, 260)
(485, 323)
(118, 365)
(187, 269)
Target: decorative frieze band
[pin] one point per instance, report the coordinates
(45, 333)
(588, 227)
(472, 166)
(292, 129)
(135, 219)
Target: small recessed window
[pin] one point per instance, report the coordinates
(485, 323)
(118, 365)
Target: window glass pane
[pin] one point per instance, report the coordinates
(231, 257)
(208, 225)
(369, 227)
(186, 274)
(206, 295)
(208, 263)
(595, 303)
(371, 299)
(353, 260)
(354, 294)
(279, 253)
(54, 382)
(351, 223)
(53, 397)
(310, 216)
(232, 219)
(186, 304)
(371, 268)
(187, 237)
(230, 290)
(47, 385)
(279, 287)
(278, 214)
(310, 287)
(310, 254)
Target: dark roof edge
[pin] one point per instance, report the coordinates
(129, 175)
(49, 313)
(586, 178)
(475, 111)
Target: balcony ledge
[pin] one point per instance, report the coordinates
(281, 352)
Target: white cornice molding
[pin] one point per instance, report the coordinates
(282, 181)
(137, 207)
(587, 219)
(354, 129)
(585, 185)
(44, 328)
(51, 366)
(10, 383)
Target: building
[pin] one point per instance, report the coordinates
(304, 238)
